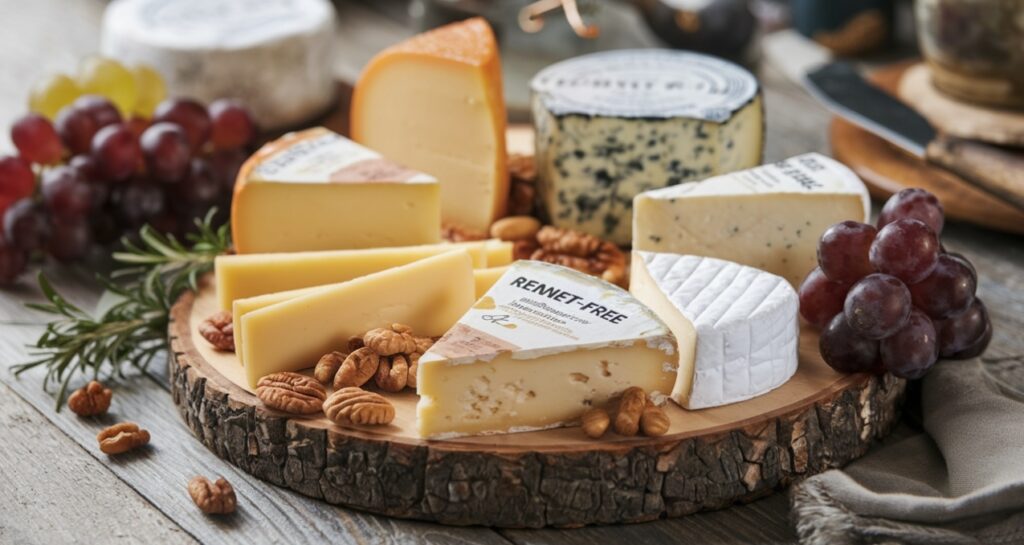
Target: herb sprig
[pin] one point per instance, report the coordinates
(151, 274)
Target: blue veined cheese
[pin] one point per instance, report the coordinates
(769, 217)
(614, 124)
(543, 345)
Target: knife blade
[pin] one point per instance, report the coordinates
(846, 93)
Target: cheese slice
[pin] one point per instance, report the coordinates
(736, 326)
(434, 102)
(428, 295)
(769, 217)
(485, 278)
(499, 252)
(249, 275)
(541, 347)
(316, 190)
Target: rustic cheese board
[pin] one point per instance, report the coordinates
(709, 459)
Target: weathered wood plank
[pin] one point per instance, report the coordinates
(51, 491)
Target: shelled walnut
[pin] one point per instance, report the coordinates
(522, 184)
(121, 438)
(573, 249)
(291, 392)
(219, 330)
(90, 400)
(212, 498)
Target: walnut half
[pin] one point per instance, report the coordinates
(90, 400)
(216, 498)
(122, 437)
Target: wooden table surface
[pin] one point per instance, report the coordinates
(56, 487)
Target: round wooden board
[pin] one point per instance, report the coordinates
(887, 169)
(708, 460)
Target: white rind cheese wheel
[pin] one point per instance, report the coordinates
(614, 124)
(273, 55)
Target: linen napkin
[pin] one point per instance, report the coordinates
(960, 480)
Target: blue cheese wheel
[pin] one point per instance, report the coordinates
(276, 56)
(614, 124)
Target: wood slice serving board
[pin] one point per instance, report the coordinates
(708, 460)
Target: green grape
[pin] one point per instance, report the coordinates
(52, 93)
(151, 90)
(109, 78)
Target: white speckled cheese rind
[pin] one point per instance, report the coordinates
(745, 322)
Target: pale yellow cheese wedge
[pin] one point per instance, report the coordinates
(485, 278)
(428, 295)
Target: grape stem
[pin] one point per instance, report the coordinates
(151, 276)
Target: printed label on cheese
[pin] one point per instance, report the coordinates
(321, 156)
(538, 309)
(648, 83)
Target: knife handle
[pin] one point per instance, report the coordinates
(996, 170)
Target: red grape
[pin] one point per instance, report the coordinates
(946, 292)
(37, 140)
(915, 204)
(87, 166)
(76, 128)
(189, 115)
(139, 201)
(966, 263)
(960, 332)
(117, 152)
(99, 108)
(907, 249)
(12, 263)
(104, 228)
(912, 350)
(16, 177)
(67, 195)
(138, 126)
(225, 166)
(232, 126)
(26, 226)
(821, 298)
(846, 351)
(165, 146)
(976, 348)
(877, 306)
(843, 251)
(70, 239)
(200, 188)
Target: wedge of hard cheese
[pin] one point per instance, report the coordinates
(434, 102)
(316, 190)
(249, 275)
(541, 347)
(485, 278)
(736, 326)
(428, 295)
(769, 217)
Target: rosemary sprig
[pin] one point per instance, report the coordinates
(151, 275)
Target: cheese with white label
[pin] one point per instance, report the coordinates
(273, 55)
(317, 190)
(428, 295)
(736, 326)
(613, 124)
(434, 102)
(542, 346)
(769, 217)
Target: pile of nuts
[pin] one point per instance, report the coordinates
(635, 412)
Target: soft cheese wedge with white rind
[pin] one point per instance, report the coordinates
(317, 190)
(736, 326)
(541, 347)
(769, 217)
(428, 295)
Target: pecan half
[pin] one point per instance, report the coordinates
(458, 233)
(393, 373)
(357, 369)
(357, 406)
(216, 498)
(291, 392)
(219, 330)
(387, 341)
(355, 342)
(90, 400)
(122, 438)
(522, 191)
(513, 228)
(328, 365)
(414, 366)
(654, 421)
(631, 407)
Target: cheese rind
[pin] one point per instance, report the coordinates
(543, 345)
(611, 125)
(736, 326)
(769, 217)
(428, 295)
(241, 276)
(316, 190)
(435, 103)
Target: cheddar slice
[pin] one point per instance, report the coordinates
(485, 278)
(428, 295)
(316, 190)
(249, 275)
(434, 102)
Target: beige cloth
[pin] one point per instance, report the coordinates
(959, 481)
